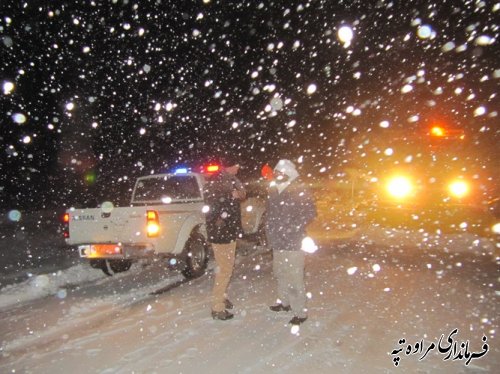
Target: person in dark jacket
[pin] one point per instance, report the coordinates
(223, 194)
(289, 209)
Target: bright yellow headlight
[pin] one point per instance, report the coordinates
(399, 187)
(458, 188)
(496, 228)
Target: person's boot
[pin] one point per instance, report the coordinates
(228, 304)
(297, 320)
(280, 308)
(222, 316)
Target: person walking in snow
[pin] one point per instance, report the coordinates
(223, 194)
(289, 209)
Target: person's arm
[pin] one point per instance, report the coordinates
(239, 191)
(306, 209)
(310, 207)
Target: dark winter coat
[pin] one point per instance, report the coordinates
(224, 216)
(287, 215)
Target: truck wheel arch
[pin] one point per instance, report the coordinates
(196, 254)
(192, 225)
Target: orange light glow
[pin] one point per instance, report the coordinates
(152, 224)
(153, 229)
(438, 131)
(399, 187)
(66, 218)
(459, 188)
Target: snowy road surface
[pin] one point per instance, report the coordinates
(364, 298)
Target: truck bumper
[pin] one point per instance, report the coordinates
(115, 251)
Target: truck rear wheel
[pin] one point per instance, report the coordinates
(119, 266)
(110, 267)
(196, 256)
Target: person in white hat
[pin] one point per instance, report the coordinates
(289, 209)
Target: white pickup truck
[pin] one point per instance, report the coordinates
(165, 220)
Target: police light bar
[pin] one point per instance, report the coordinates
(181, 171)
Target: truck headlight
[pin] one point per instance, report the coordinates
(399, 187)
(458, 188)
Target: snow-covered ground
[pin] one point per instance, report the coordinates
(364, 297)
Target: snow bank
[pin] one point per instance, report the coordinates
(48, 284)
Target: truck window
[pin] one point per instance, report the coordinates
(171, 187)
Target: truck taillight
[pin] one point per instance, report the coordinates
(152, 223)
(66, 225)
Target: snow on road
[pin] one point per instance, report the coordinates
(89, 323)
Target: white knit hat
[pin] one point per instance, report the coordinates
(287, 167)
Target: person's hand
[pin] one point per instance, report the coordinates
(239, 195)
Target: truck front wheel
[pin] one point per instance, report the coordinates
(196, 256)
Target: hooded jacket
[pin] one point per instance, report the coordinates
(289, 209)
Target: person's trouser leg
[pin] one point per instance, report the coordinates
(297, 288)
(289, 270)
(279, 269)
(224, 257)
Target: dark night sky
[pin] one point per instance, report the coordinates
(155, 83)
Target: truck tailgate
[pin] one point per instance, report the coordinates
(95, 226)
(127, 225)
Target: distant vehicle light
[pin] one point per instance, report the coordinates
(399, 187)
(181, 171)
(438, 131)
(458, 188)
(496, 228)
(447, 133)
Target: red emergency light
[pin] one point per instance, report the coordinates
(212, 168)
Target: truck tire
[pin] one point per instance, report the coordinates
(196, 256)
(110, 267)
(100, 264)
(119, 266)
